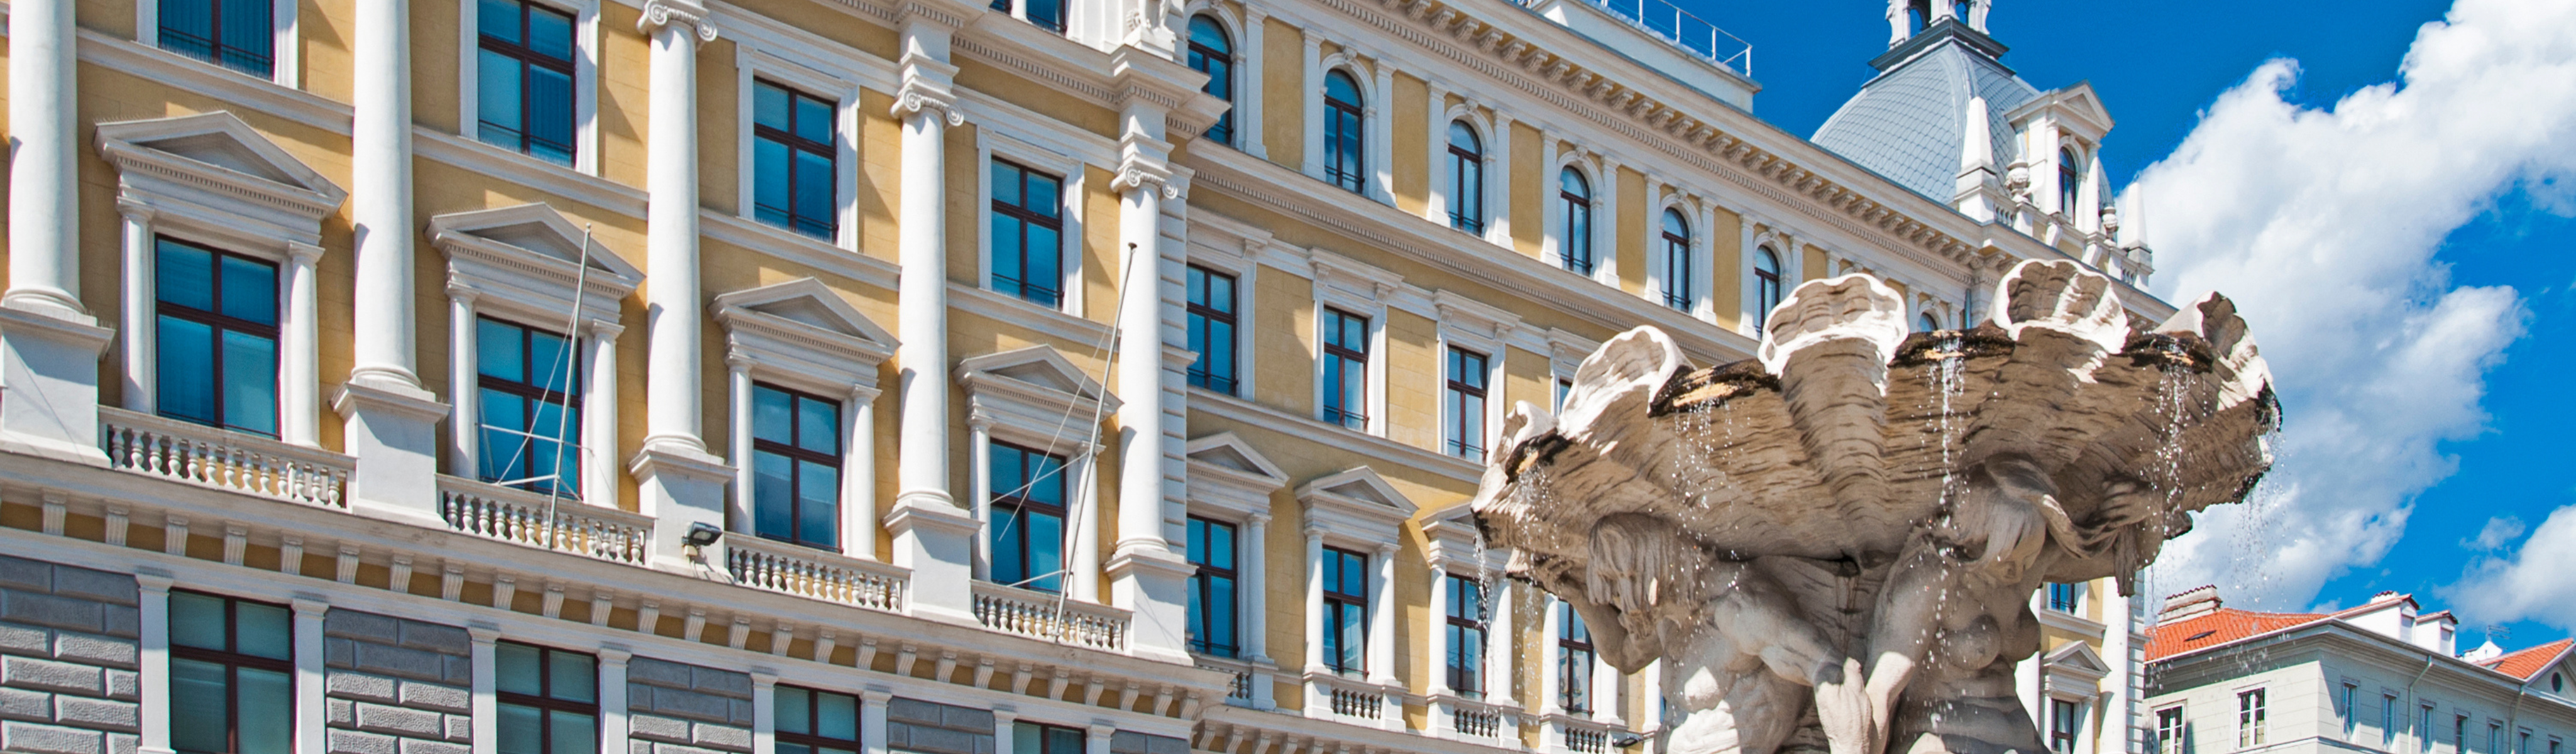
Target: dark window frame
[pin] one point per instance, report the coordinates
(219, 323)
(814, 712)
(1204, 316)
(1202, 58)
(1020, 501)
(1766, 285)
(1079, 737)
(826, 228)
(1466, 179)
(233, 661)
(545, 701)
(1343, 407)
(212, 49)
(1574, 250)
(2070, 181)
(1337, 604)
(1202, 578)
(1346, 136)
(527, 55)
(567, 484)
(2068, 597)
(796, 453)
(1575, 654)
(1677, 262)
(2063, 719)
(1050, 296)
(1465, 429)
(1462, 622)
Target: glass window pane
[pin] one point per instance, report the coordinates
(772, 496)
(550, 33)
(571, 677)
(814, 190)
(572, 732)
(1046, 479)
(521, 730)
(1007, 272)
(184, 275)
(267, 711)
(818, 425)
(1220, 550)
(820, 516)
(498, 19)
(186, 353)
(197, 620)
(250, 383)
(836, 715)
(769, 105)
(549, 126)
(197, 700)
(496, 92)
(769, 193)
(263, 631)
(188, 26)
(1006, 183)
(550, 362)
(1046, 551)
(814, 119)
(1043, 198)
(250, 290)
(498, 351)
(1220, 619)
(794, 711)
(1024, 739)
(1010, 529)
(771, 417)
(515, 668)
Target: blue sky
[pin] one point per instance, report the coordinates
(2493, 279)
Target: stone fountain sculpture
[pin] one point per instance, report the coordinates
(1833, 547)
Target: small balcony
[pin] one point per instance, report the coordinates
(1052, 617)
(560, 524)
(1354, 701)
(223, 459)
(815, 574)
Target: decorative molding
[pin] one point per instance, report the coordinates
(661, 13)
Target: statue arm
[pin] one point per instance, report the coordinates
(1610, 638)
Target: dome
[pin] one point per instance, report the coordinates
(1905, 124)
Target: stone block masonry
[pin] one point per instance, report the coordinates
(68, 660)
(685, 709)
(395, 685)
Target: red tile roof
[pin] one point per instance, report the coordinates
(2224, 625)
(2529, 662)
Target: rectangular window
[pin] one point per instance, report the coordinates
(1563, 387)
(235, 34)
(1462, 404)
(1028, 518)
(1466, 626)
(2063, 716)
(2065, 598)
(796, 467)
(2388, 721)
(1212, 587)
(2460, 734)
(2249, 718)
(2424, 731)
(2351, 714)
(529, 388)
(1573, 662)
(523, 79)
(816, 722)
(232, 676)
(1037, 738)
(794, 176)
(1346, 602)
(1028, 234)
(2169, 731)
(2522, 742)
(1212, 325)
(215, 337)
(548, 700)
(1346, 369)
(2495, 738)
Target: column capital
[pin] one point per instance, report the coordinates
(135, 211)
(662, 13)
(604, 328)
(301, 253)
(927, 87)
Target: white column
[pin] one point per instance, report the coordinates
(309, 704)
(1438, 626)
(485, 720)
(1606, 223)
(1380, 132)
(1098, 741)
(1005, 722)
(1248, 105)
(933, 536)
(153, 612)
(1606, 685)
(465, 438)
(1147, 576)
(1502, 639)
(979, 452)
(1082, 555)
(299, 376)
(1435, 156)
(1314, 605)
(1551, 247)
(600, 479)
(140, 311)
(872, 721)
(612, 697)
(1312, 111)
(380, 197)
(859, 474)
(1650, 703)
(1498, 181)
(44, 197)
(738, 518)
(1381, 617)
(1252, 598)
(1551, 696)
(671, 305)
(764, 711)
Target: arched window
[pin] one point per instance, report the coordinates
(1677, 261)
(1343, 164)
(1466, 178)
(1575, 245)
(1919, 12)
(1212, 54)
(1766, 285)
(1930, 323)
(2070, 176)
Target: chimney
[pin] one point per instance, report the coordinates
(2190, 603)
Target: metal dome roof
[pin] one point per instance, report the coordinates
(1905, 124)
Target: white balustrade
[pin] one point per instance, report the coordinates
(1475, 722)
(1587, 740)
(1049, 616)
(816, 574)
(223, 459)
(561, 524)
(1238, 684)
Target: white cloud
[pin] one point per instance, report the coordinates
(2498, 532)
(2322, 224)
(2538, 583)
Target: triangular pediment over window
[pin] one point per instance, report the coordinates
(1226, 450)
(535, 228)
(529, 262)
(1040, 367)
(799, 331)
(1225, 472)
(1037, 398)
(1357, 503)
(217, 169)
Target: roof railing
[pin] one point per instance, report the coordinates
(1670, 23)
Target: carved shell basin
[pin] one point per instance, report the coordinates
(1845, 431)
